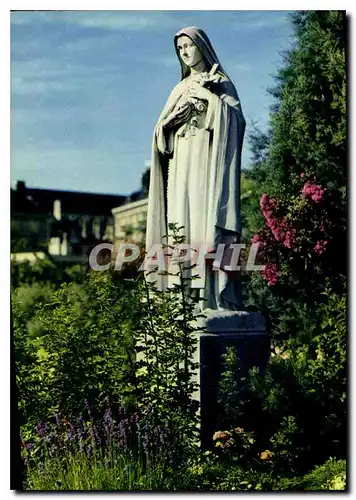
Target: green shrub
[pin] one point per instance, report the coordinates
(300, 171)
(46, 271)
(87, 352)
(295, 412)
(85, 349)
(330, 476)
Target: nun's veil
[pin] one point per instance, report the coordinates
(201, 40)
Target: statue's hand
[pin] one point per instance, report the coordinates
(198, 91)
(178, 116)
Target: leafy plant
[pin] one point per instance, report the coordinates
(166, 368)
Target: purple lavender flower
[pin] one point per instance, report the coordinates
(94, 434)
(40, 429)
(161, 435)
(145, 443)
(79, 428)
(108, 421)
(122, 431)
(87, 406)
(29, 446)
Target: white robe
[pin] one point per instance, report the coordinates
(203, 191)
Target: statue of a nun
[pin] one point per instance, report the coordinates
(195, 168)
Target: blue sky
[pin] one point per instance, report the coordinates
(87, 87)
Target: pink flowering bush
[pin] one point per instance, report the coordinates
(295, 232)
(320, 247)
(313, 192)
(271, 274)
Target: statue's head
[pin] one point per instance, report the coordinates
(192, 45)
(188, 51)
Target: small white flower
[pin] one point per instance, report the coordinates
(194, 121)
(200, 106)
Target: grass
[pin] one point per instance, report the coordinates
(100, 471)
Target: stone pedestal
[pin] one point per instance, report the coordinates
(221, 329)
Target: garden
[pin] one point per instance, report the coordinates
(104, 363)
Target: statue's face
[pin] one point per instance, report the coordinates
(188, 51)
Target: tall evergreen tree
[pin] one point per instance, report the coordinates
(299, 212)
(307, 139)
(308, 120)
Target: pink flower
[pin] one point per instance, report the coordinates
(262, 243)
(264, 199)
(275, 227)
(302, 175)
(289, 238)
(313, 191)
(268, 205)
(281, 229)
(271, 274)
(320, 246)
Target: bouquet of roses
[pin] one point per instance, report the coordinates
(205, 79)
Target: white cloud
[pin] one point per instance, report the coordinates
(240, 67)
(20, 17)
(116, 20)
(110, 20)
(257, 20)
(46, 74)
(21, 86)
(123, 20)
(81, 46)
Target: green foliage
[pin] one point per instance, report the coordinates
(45, 271)
(108, 469)
(297, 408)
(231, 389)
(306, 144)
(329, 476)
(83, 474)
(111, 337)
(166, 344)
(210, 473)
(26, 298)
(85, 350)
(112, 469)
(308, 137)
(250, 211)
(308, 125)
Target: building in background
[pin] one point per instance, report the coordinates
(66, 224)
(130, 218)
(130, 221)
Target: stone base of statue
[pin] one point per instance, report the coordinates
(244, 330)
